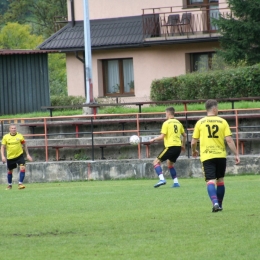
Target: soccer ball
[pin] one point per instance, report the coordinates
(134, 140)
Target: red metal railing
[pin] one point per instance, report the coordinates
(232, 115)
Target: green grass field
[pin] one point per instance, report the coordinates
(129, 219)
(134, 109)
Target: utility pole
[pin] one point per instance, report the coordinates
(88, 58)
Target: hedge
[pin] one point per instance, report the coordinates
(239, 82)
(67, 101)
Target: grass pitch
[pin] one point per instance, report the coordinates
(129, 219)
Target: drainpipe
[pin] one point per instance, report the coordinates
(72, 12)
(82, 60)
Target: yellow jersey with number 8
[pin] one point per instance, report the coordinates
(172, 129)
(212, 130)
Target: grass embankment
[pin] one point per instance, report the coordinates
(134, 109)
(129, 219)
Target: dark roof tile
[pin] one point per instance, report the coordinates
(104, 33)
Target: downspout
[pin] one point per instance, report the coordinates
(72, 9)
(83, 61)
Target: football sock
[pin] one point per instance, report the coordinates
(220, 192)
(22, 174)
(212, 192)
(9, 177)
(172, 172)
(158, 169)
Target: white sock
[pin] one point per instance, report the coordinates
(161, 177)
(175, 180)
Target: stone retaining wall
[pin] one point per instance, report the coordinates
(121, 169)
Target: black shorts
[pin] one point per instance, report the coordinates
(171, 153)
(214, 168)
(12, 163)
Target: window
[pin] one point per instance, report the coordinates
(200, 2)
(118, 77)
(201, 61)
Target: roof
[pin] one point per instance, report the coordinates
(15, 52)
(112, 33)
(124, 31)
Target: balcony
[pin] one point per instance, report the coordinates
(171, 24)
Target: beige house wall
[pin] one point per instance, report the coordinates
(100, 9)
(149, 64)
(75, 75)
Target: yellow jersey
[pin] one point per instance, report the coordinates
(13, 144)
(172, 130)
(212, 130)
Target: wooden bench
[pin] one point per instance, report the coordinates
(101, 146)
(242, 141)
(94, 106)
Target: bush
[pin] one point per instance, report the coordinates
(239, 82)
(67, 101)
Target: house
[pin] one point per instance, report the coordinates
(135, 42)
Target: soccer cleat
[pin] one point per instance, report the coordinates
(175, 185)
(9, 187)
(160, 183)
(215, 208)
(220, 209)
(20, 187)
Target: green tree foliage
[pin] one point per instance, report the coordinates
(17, 36)
(40, 13)
(57, 74)
(240, 32)
(3, 6)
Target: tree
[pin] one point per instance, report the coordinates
(3, 6)
(240, 32)
(57, 74)
(39, 13)
(17, 36)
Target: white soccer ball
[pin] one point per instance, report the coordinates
(134, 140)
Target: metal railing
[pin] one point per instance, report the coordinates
(232, 115)
(171, 24)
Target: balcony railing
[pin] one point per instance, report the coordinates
(171, 24)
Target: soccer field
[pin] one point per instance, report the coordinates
(129, 219)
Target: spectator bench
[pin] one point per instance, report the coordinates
(77, 123)
(101, 146)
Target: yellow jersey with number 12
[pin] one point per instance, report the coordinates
(212, 130)
(172, 130)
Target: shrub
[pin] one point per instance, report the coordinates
(238, 82)
(67, 101)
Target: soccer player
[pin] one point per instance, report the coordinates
(212, 130)
(14, 144)
(174, 137)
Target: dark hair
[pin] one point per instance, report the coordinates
(171, 110)
(210, 103)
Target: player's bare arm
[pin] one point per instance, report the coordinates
(183, 144)
(194, 150)
(232, 146)
(29, 158)
(160, 137)
(3, 153)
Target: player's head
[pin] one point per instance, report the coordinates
(170, 112)
(211, 106)
(12, 129)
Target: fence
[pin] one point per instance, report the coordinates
(136, 119)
